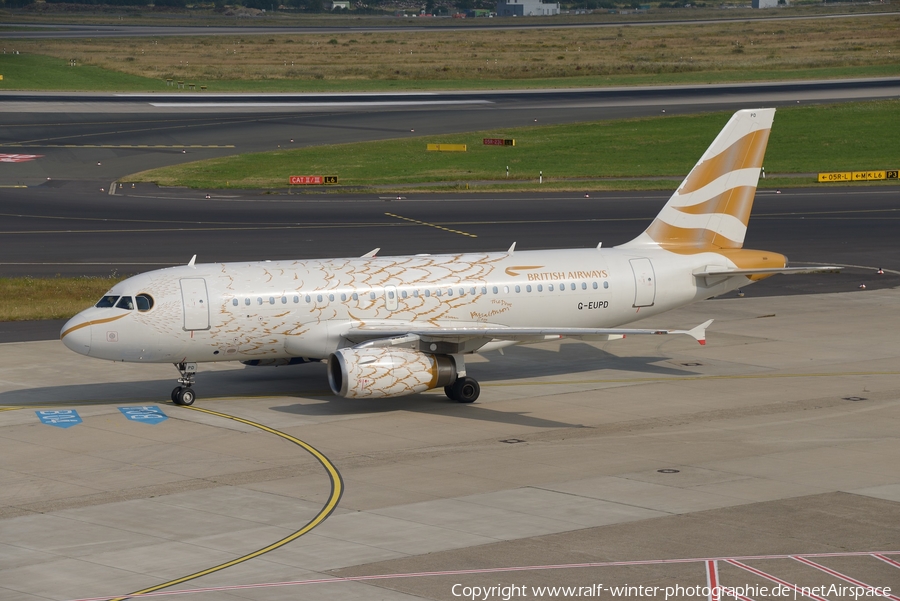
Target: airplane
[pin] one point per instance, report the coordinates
(394, 326)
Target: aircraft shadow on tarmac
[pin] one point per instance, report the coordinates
(309, 382)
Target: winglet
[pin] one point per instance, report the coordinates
(191, 262)
(699, 333)
(371, 254)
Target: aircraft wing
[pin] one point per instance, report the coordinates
(393, 335)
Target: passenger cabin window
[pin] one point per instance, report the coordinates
(540, 287)
(495, 290)
(550, 287)
(355, 296)
(296, 299)
(145, 302)
(125, 303)
(283, 300)
(234, 302)
(606, 284)
(246, 301)
(584, 285)
(107, 301)
(595, 285)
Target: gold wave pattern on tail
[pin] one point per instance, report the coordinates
(711, 208)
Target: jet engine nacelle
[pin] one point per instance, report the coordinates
(377, 373)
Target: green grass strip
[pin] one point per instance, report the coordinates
(805, 139)
(50, 298)
(46, 73)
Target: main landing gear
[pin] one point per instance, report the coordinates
(463, 390)
(184, 394)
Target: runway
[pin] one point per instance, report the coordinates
(766, 453)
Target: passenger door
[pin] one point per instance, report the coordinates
(196, 304)
(644, 282)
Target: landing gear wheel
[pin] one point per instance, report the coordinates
(464, 390)
(183, 394)
(185, 397)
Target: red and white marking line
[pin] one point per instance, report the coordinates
(774, 579)
(568, 566)
(840, 576)
(18, 158)
(712, 579)
(886, 560)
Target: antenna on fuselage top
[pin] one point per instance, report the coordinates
(371, 254)
(512, 249)
(191, 262)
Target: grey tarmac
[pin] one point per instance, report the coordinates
(777, 438)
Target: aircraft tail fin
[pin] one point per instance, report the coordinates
(711, 207)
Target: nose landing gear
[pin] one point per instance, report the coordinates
(184, 394)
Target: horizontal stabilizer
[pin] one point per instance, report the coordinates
(725, 272)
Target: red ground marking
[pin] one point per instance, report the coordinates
(886, 560)
(774, 579)
(843, 577)
(18, 158)
(646, 562)
(712, 579)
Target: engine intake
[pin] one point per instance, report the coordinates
(378, 373)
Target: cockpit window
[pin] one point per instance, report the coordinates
(107, 301)
(145, 302)
(125, 303)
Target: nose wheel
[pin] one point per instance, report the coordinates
(184, 395)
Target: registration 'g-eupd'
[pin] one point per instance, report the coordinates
(392, 326)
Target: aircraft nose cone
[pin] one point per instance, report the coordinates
(76, 335)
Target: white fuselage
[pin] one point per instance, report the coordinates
(291, 309)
